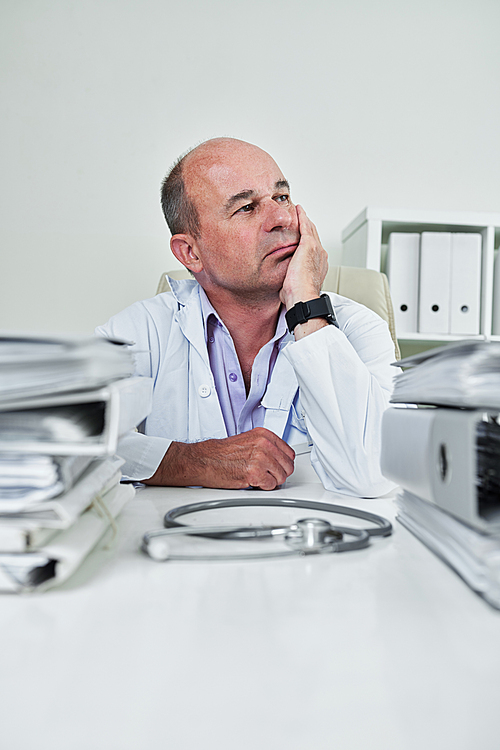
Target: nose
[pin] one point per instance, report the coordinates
(280, 216)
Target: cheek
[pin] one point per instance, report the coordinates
(239, 243)
(231, 247)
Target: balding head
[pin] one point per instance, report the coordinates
(179, 208)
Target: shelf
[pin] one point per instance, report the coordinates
(442, 337)
(407, 220)
(363, 238)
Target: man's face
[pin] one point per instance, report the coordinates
(249, 226)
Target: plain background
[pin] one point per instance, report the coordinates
(361, 102)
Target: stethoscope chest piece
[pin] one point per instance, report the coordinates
(312, 535)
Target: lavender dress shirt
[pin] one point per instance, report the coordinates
(241, 412)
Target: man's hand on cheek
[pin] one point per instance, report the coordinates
(308, 266)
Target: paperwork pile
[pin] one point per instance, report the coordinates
(446, 458)
(464, 374)
(63, 405)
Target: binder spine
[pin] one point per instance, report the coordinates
(403, 262)
(439, 455)
(435, 266)
(496, 297)
(465, 284)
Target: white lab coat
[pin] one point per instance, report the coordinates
(329, 388)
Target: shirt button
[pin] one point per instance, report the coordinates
(233, 377)
(211, 339)
(204, 391)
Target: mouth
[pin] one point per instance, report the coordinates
(284, 250)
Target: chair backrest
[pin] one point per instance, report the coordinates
(363, 285)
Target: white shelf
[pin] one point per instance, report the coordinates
(363, 238)
(396, 219)
(440, 337)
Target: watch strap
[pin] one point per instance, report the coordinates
(301, 312)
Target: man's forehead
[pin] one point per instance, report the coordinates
(225, 172)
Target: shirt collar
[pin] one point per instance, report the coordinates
(207, 309)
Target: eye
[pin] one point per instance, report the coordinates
(246, 209)
(282, 198)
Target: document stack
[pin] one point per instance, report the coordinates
(435, 280)
(63, 405)
(445, 455)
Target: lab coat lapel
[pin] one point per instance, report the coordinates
(204, 412)
(280, 394)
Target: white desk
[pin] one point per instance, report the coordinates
(380, 648)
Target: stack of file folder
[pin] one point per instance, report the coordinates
(445, 455)
(64, 403)
(435, 280)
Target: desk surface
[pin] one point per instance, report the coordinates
(379, 648)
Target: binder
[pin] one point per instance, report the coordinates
(36, 365)
(118, 407)
(434, 297)
(473, 554)
(27, 478)
(464, 374)
(496, 297)
(54, 562)
(15, 537)
(61, 511)
(465, 292)
(403, 260)
(433, 453)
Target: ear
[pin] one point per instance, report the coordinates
(185, 249)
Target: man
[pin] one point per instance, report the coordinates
(234, 389)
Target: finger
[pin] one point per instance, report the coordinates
(270, 458)
(268, 473)
(302, 218)
(273, 460)
(276, 441)
(306, 226)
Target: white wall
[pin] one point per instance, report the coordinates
(385, 102)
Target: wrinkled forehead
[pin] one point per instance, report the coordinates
(213, 176)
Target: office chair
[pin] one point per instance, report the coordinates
(363, 285)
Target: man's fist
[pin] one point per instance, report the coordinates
(257, 458)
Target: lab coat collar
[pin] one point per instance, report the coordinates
(189, 315)
(183, 289)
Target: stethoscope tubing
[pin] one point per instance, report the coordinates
(361, 541)
(382, 526)
(155, 543)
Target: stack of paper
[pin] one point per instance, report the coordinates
(447, 457)
(473, 554)
(63, 406)
(27, 479)
(35, 365)
(465, 374)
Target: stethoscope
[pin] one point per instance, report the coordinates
(306, 536)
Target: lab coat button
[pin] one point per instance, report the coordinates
(204, 391)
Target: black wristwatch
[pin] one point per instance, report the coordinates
(320, 307)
